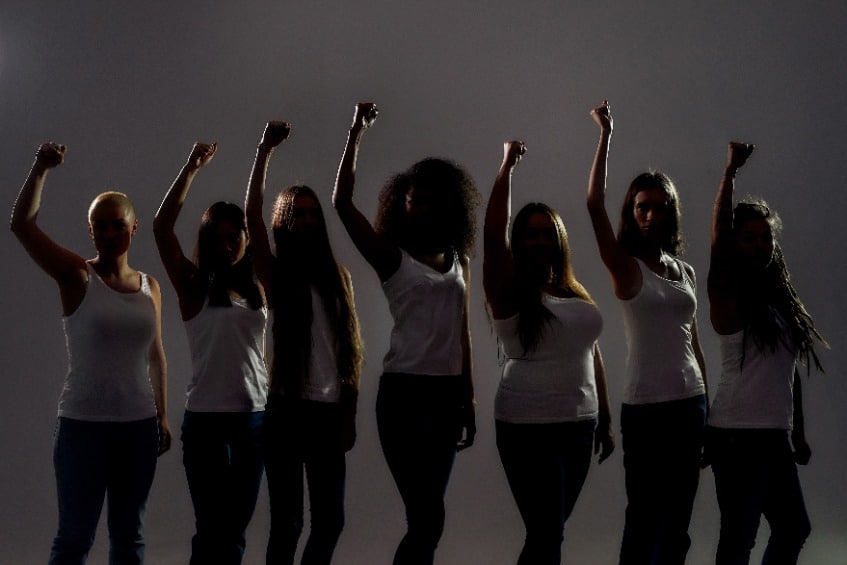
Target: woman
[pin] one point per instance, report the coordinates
(113, 409)
(665, 402)
(310, 419)
(419, 249)
(763, 328)
(224, 314)
(553, 390)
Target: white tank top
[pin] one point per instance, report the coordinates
(227, 347)
(757, 394)
(661, 365)
(321, 384)
(555, 381)
(427, 307)
(108, 339)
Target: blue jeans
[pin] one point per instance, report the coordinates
(91, 460)
(662, 445)
(302, 435)
(222, 456)
(419, 422)
(546, 466)
(755, 475)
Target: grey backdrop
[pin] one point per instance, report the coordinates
(130, 87)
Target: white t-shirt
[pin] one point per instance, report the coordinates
(554, 382)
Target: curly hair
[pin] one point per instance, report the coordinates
(532, 314)
(630, 237)
(455, 200)
(298, 267)
(772, 292)
(220, 278)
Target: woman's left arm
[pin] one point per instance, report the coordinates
(604, 437)
(159, 371)
(802, 451)
(469, 402)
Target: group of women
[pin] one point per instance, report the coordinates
(551, 409)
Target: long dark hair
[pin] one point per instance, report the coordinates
(299, 266)
(218, 276)
(532, 314)
(630, 237)
(455, 201)
(771, 292)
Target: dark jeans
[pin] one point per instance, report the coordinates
(662, 445)
(546, 466)
(304, 435)
(418, 419)
(755, 474)
(222, 455)
(91, 460)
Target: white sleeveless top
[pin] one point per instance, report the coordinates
(227, 347)
(555, 381)
(660, 364)
(757, 393)
(427, 307)
(108, 340)
(321, 384)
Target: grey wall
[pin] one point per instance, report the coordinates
(129, 88)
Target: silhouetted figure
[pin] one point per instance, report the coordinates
(113, 408)
(224, 313)
(763, 328)
(665, 400)
(419, 248)
(310, 421)
(552, 394)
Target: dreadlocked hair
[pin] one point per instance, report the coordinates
(769, 304)
(299, 266)
(218, 276)
(533, 316)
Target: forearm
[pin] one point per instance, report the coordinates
(342, 195)
(171, 206)
(597, 176)
(495, 232)
(255, 198)
(26, 206)
(604, 406)
(722, 212)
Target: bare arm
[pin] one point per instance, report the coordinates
(802, 451)
(604, 437)
(65, 267)
(158, 368)
(382, 255)
(469, 405)
(722, 299)
(497, 264)
(181, 271)
(263, 260)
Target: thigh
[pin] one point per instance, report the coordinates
(133, 453)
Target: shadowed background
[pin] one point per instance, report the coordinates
(129, 88)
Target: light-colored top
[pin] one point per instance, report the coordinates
(108, 339)
(660, 364)
(321, 384)
(227, 347)
(756, 392)
(554, 382)
(427, 308)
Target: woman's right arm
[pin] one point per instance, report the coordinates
(497, 265)
(382, 255)
(625, 274)
(67, 268)
(180, 269)
(263, 260)
(722, 300)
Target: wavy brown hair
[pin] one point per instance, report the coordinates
(630, 237)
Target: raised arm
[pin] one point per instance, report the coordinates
(722, 299)
(180, 269)
(65, 267)
(158, 371)
(497, 265)
(275, 133)
(626, 277)
(604, 437)
(382, 255)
